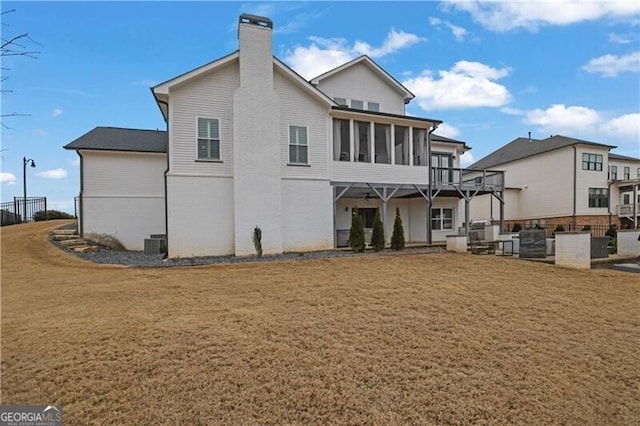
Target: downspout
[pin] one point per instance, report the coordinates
(575, 184)
(166, 198)
(80, 196)
(609, 200)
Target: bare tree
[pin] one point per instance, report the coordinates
(14, 46)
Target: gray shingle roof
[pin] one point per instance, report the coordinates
(438, 138)
(622, 157)
(523, 147)
(119, 139)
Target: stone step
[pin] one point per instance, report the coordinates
(64, 237)
(64, 232)
(73, 243)
(85, 249)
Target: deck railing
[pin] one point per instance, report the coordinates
(485, 180)
(627, 209)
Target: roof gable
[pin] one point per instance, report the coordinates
(525, 147)
(119, 139)
(377, 69)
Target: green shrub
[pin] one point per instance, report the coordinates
(257, 240)
(397, 238)
(377, 236)
(51, 215)
(559, 228)
(356, 233)
(516, 227)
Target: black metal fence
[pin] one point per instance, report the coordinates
(22, 210)
(596, 230)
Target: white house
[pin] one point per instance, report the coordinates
(249, 143)
(563, 181)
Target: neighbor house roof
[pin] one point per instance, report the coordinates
(364, 59)
(438, 138)
(119, 139)
(622, 157)
(524, 147)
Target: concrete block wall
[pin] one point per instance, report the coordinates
(457, 243)
(573, 249)
(627, 241)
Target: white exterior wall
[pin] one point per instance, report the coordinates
(589, 179)
(201, 216)
(361, 83)
(123, 195)
(307, 215)
(257, 187)
(209, 96)
(298, 109)
(487, 207)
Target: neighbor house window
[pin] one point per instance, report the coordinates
(361, 140)
(638, 172)
(626, 199)
(298, 146)
(208, 139)
(592, 162)
(341, 101)
(627, 173)
(357, 104)
(341, 145)
(613, 172)
(401, 141)
(373, 106)
(441, 219)
(382, 141)
(598, 197)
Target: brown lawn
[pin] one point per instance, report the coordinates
(407, 339)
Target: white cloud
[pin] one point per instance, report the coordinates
(466, 85)
(621, 38)
(57, 112)
(325, 54)
(466, 159)
(75, 162)
(512, 111)
(585, 122)
(8, 178)
(447, 130)
(53, 174)
(459, 33)
(611, 65)
(506, 16)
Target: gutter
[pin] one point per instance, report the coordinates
(575, 183)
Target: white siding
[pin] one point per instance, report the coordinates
(210, 96)
(200, 216)
(307, 215)
(298, 109)
(361, 83)
(123, 195)
(345, 171)
(588, 179)
(487, 207)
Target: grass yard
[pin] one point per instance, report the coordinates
(386, 339)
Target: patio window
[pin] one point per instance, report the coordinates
(298, 145)
(441, 219)
(362, 141)
(401, 134)
(627, 173)
(598, 197)
(420, 147)
(341, 148)
(208, 139)
(382, 143)
(592, 162)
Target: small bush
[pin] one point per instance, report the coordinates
(356, 233)
(51, 215)
(377, 236)
(257, 240)
(397, 238)
(611, 232)
(586, 228)
(516, 227)
(559, 228)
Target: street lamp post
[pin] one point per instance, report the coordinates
(25, 161)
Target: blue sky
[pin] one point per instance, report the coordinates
(491, 71)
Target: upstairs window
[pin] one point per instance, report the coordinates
(362, 141)
(208, 139)
(373, 106)
(298, 145)
(613, 172)
(402, 144)
(627, 173)
(598, 197)
(592, 162)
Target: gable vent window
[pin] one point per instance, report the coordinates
(298, 145)
(208, 139)
(357, 104)
(341, 101)
(373, 106)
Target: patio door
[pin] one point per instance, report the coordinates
(444, 163)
